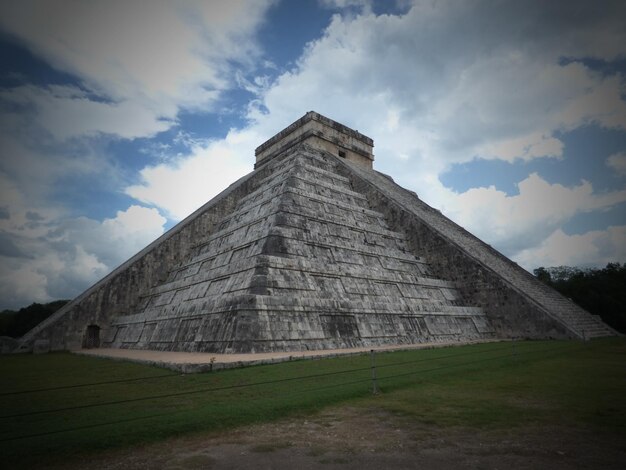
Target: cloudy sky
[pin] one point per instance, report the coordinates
(119, 118)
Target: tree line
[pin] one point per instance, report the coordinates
(600, 291)
(16, 323)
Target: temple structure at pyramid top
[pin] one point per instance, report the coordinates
(320, 133)
(312, 250)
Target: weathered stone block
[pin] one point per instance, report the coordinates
(41, 346)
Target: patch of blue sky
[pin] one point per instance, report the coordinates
(131, 156)
(482, 173)
(91, 196)
(288, 27)
(585, 155)
(387, 7)
(587, 150)
(169, 224)
(192, 127)
(99, 193)
(604, 67)
(229, 113)
(20, 66)
(597, 220)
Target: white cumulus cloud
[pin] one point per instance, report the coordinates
(594, 248)
(617, 162)
(57, 257)
(139, 63)
(514, 223)
(447, 83)
(180, 187)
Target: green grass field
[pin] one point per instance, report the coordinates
(60, 405)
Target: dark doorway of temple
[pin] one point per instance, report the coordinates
(92, 338)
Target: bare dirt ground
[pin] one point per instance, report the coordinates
(364, 439)
(190, 362)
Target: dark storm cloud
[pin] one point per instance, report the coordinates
(9, 248)
(34, 216)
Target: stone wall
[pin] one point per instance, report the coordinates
(321, 133)
(301, 263)
(119, 292)
(517, 304)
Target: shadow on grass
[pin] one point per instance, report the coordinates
(102, 404)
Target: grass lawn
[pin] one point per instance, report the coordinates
(60, 405)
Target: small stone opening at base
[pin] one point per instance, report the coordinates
(92, 337)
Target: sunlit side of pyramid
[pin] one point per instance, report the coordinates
(301, 263)
(313, 250)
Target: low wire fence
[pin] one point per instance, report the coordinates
(373, 378)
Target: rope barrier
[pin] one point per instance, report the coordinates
(516, 353)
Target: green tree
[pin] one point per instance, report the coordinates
(599, 291)
(543, 275)
(17, 323)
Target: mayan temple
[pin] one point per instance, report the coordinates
(312, 250)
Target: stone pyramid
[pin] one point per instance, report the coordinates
(301, 263)
(313, 250)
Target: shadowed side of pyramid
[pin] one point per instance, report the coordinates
(516, 302)
(301, 263)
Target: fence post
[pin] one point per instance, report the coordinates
(373, 365)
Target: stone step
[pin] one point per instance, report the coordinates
(523, 282)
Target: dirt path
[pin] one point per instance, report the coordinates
(356, 438)
(192, 362)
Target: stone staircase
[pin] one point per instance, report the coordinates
(300, 263)
(577, 320)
